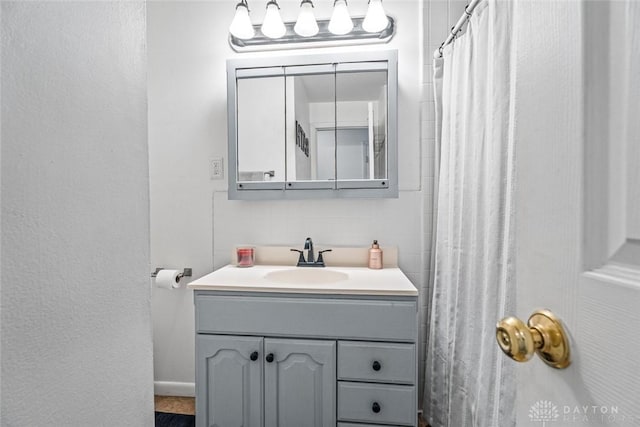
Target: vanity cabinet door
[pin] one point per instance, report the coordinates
(229, 386)
(300, 383)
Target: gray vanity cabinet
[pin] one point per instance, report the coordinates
(303, 360)
(299, 387)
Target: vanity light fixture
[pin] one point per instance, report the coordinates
(241, 25)
(376, 19)
(273, 27)
(307, 31)
(306, 25)
(340, 23)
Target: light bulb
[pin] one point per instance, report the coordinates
(241, 25)
(340, 22)
(273, 27)
(306, 25)
(375, 20)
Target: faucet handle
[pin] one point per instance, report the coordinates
(301, 257)
(320, 260)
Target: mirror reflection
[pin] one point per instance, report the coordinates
(361, 125)
(336, 127)
(310, 109)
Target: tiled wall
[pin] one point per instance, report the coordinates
(393, 222)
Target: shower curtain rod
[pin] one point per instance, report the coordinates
(468, 11)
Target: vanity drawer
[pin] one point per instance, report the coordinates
(377, 362)
(369, 319)
(396, 403)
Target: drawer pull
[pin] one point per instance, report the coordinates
(254, 356)
(270, 357)
(376, 365)
(375, 407)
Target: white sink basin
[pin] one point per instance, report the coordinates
(306, 275)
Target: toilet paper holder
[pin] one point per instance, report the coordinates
(185, 272)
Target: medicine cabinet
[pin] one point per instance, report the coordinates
(313, 126)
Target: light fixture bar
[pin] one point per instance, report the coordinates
(291, 40)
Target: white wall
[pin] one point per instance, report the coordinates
(187, 118)
(76, 327)
(193, 223)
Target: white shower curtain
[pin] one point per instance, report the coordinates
(467, 379)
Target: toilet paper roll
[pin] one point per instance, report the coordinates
(168, 279)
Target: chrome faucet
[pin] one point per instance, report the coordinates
(310, 261)
(308, 246)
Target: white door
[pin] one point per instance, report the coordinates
(578, 207)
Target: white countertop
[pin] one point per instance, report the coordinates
(360, 281)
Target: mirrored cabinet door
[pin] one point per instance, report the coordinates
(261, 129)
(310, 127)
(361, 127)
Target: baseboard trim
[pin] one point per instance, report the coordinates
(169, 388)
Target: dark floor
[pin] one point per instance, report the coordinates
(164, 419)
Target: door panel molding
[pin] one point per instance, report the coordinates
(302, 379)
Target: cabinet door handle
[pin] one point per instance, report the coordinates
(376, 365)
(269, 357)
(375, 407)
(254, 356)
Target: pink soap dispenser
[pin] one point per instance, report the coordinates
(375, 256)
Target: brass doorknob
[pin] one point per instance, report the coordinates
(543, 334)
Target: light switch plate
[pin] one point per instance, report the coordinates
(216, 168)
